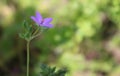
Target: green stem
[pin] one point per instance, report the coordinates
(36, 31)
(35, 36)
(28, 57)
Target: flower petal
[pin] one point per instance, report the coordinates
(34, 19)
(47, 20)
(39, 17)
(48, 25)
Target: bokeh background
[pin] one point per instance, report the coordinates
(85, 38)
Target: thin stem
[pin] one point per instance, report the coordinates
(36, 31)
(35, 35)
(28, 50)
(28, 57)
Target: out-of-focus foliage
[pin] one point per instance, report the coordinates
(85, 37)
(49, 71)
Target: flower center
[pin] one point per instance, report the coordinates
(42, 21)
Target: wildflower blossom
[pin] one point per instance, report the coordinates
(42, 22)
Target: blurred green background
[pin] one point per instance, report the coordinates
(85, 38)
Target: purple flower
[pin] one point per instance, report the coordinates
(42, 22)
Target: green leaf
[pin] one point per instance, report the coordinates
(21, 35)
